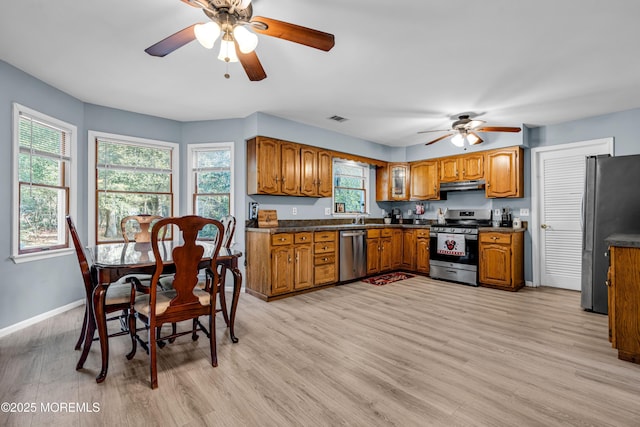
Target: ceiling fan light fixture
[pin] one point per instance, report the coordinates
(475, 124)
(247, 41)
(473, 139)
(207, 34)
(458, 140)
(243, 4)
(227, 51)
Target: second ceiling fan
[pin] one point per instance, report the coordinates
(465, 128)
(229, 20)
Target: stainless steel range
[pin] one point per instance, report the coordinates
(453, 248)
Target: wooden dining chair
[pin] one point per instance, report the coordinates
(229, 225)
(119, 296)
(185, 301)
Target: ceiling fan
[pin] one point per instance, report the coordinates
(465, 128)
(230, 19)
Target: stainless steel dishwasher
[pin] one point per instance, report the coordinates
(353, 255)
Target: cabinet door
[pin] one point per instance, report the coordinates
(449, 169)
(308, 171)
(424, 181)
(472, 166)
(504, 173)
(495, 264)
(396, 248)
(325, 174)
(399, 181)
(409, 250)
(422, 256)
(386, 254)
(281, 269)
(373, 256)
(268, 165)
(303, 270)
(382, 184)
(290, 167)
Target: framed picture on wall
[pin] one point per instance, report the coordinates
(340, 207)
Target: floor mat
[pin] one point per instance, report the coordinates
(384, 279)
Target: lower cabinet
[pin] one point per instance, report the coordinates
(422, 251)
(409, 249)
(379, 250)
(396, 248)
(283, 263)
(501, 260)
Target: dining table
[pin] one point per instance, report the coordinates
(113, 261)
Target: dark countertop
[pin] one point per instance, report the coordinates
(337, 227)
(502, 229)
(624, 240)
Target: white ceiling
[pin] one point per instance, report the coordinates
(398, 67)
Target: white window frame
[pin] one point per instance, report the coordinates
(366, 174)
(72, 132)
(91, 179)
(192, 149)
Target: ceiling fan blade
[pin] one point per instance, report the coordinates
(437, 130)
(251, 64)
(293, 33)
(173, 42)
(439, 139)
(498, 129)
(478, 140)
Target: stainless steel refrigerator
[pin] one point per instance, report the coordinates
(611, 204)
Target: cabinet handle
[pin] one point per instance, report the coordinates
(325, 259)
(608, 283)
(488, 184)
(289, 259)
(282, 239)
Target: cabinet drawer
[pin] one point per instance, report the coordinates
(324, 247)
(386, 232)
(325, 236)
(373, 233)
(281, 239)
(502, 238)
(325, 259)
(303, 237)
(422, 233)
(325, 274)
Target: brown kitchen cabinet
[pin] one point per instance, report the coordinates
(424, 180)
(624, 301)
(282, 263)
(316, 168)
(273, 167)
(505, 173)
(501, 263)
(396, 248)
(379, 250)
(325, 250)
(462, 168)
(409, 249)
(392, 182)
(422, 250)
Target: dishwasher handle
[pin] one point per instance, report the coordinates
(352, 233)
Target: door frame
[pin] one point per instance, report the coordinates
(605, 143)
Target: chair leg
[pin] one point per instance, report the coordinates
(212, 337)
(223, 299)
(174, 329)
(83, 331)
(152, 356)
(194, 334)
(132, 334)
(161, 343)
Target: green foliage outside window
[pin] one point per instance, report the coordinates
(349, 186)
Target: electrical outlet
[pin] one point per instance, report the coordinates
(327, 211)
(409, 212)
(524, 212)
(294, 211)
(384, 212)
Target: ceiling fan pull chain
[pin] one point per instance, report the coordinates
(226, 74)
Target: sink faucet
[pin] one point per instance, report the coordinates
(359, 219)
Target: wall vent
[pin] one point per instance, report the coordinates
(338, 119)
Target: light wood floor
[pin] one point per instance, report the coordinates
(417, 352)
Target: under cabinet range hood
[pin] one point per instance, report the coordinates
(462, 186)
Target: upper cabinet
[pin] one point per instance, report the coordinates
(424, 180)
(505, 172)
(392, 182)
(285, 168)
(462, 168)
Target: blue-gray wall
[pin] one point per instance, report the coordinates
(34, 288)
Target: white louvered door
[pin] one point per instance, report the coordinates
(561, 175)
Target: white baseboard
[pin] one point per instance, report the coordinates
(530, 284)
(39, 318)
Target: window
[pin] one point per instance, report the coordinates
(43, 174)
(132, 176)
(211, 179)
(350, 187)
